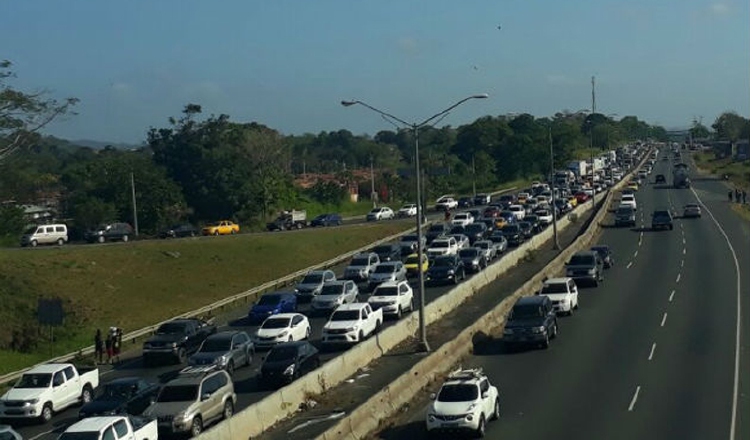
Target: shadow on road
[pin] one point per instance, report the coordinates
(411, 430)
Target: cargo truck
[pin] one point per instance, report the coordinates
(289, 220)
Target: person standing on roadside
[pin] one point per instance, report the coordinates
(108, 345)
(737, 195)
(117, 344)
(98, 347)
(730, 195)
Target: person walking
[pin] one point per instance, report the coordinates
(108, 345)
(737, 195)
(98, 347)
(730, 195)
(117, 344)
(744, 197)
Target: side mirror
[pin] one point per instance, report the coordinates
(485, 395)
(433, 396)
(205, 396)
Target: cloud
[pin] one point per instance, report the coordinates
(719, 8)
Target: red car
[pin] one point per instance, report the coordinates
(581, 197)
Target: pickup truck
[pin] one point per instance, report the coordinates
(175, 340)
(393, 298)
(442, 246)
(351, 323)
(112, 427)
(47, 389)
(289, 220)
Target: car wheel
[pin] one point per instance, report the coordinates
(481, 428)
(232, 232)
(196, 427)
(100, 239)
(496, 412)
(398, 313)
(455, 279)
(33, 243)
(291, 338)
(216, 232)
(46, 415)
(230, 368)
(86, 395)
(181, 355)
(125, 238)
(555, 331)
(228, 410)
(192, 233)
(545, 343)
(60, 242)
(361, 336)
(307, 333)
(249, 357)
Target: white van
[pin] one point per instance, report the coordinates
(45, 234)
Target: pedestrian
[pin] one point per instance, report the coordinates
(117, 344)
(447, 215)
(98, 347)
(730, 195)
(737, 195)
(108, 345)
(744, 197)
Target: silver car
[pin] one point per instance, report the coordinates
(311, 285)
(389, 271)
(335, 293)
(225, 350)
(488, 248)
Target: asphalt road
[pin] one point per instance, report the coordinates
(650, 354)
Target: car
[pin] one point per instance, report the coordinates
(193, 400)
(333, 294)
(661, 219)
(125, 395)
(526, 228)
(465, 202)
(544, 215)
(225, 350)
(222, 227)
(7, 433)
(625, 216)
(409, 243)
(513, 234)
(563, 293)
(491, 211)
(312, 283)
(476, 214)
(408, 210)
(446, 268)
(522, 197)
(519, 212)
(412, 264)
(463, 219)
(531, 321)
(272, 304)
(629, 199)
(465, 403)
(179, 230)
(476, 231)
(509, 217)
(605, 253)
(350, 324)
(393, 298)
(585, 267)
(473, 258)
(506, 199)
(388, 252)
(287, 362)
(582, 197)
(462, 241)
(45, 234)
(660, 178)
(490, 224)
(691, 210)
(435, 231)
(330, 219)
(280, 328)
(482, 199)
(174, 340)
(457, 229)
(442, 246)
(386, 271)
(501, 242)
(361, 265)
(110, 232)
(488, 248)
(381, 213)
(633, 185)
(446, 203)
(572, 201)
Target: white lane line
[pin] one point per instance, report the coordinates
(671, 296)
(735, 394)
(684, 251)
(635, 398)
(664, 319)
(629, 264)
(651, 355)
(635, 254)
(678, 278)
(683, 240)
(641, 237)
(42, 434)
(682, 263)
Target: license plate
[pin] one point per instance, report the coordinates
(450, 425)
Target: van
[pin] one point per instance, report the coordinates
(45, 234)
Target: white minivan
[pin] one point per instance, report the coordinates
(45, 234)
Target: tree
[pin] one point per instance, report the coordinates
(730, 126)
(12, 221)
(699, 131)
(23, 114)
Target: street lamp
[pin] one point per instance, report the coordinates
(423, 345)
(556, 245)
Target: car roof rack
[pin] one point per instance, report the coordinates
(201, 370)
(466, 374)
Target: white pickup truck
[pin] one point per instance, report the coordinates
(393, 298)
(47, 389)
(112, 427)
(351, 323)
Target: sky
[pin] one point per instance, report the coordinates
(288, 64)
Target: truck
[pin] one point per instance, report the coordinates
(680, 178)
(47, 389)
(578, 167)
(111, 427)
(288, 220)
(351, 323)
(175, 340)
(564, 177)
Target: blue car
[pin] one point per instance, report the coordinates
(272, 304)
(326, 220)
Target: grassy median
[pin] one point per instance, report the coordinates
(136, 284)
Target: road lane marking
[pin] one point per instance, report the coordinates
(641, 237)
(671, 296)
(678, 278)
(735, 394)
(682, 263)
(651, 355)
(635, 254)
(629, 264)
(664, 319)
(683, 240)
(635, 398)
(684, 251)
(42, 434)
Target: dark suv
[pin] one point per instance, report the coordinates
(585, 266)
(388, 252)
(661, 219)
(532, 321)
(436, 231)
(110, 232)
(445, 269)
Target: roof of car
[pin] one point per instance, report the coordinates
(94, 424)
(193, 376)
(391, 284)
(531, 300)
(272, 294)
(560, 280)
(351, 306)
(285, 315)
(586, 253)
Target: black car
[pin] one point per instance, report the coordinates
(660, 178)
(288, 361)
(110, 232)
(475, 231)
(181, 230)
(526, 228)
(490, 223)
(661, 219)
(436, 231)
(473, 258)
(388, 252)
(532, 321)
(457, 229)
(126, 395)
(327, 220)
(465, 202)
(446, 269)
(605, 253)
(513, 234)
(536, 226)
(481, 199)
(476, 213)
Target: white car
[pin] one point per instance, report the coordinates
(393, 298)
(628, 200)
(462, 241)
(333, 294)
(283, 327)
(542, 199)
(544, 215)
(409, 210)
(446, 203)
(462, 219)
(563, 293)
(442, 246)
(466, 402)
(351, 324)
(382, 213)
(518, 211)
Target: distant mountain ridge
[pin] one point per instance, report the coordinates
(99, 145)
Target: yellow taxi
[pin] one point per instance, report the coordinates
(412, 264)
(633, 185)
(522, 198)
(222, 227)
(573, 201)
(500, 222)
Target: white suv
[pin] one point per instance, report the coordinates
(563, 293)
(465, 402)
(628, 200)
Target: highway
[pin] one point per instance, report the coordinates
(652, 352)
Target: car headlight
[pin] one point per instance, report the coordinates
(32, 402)
(592, 271)
(182, 415)
(174, 345)
(221, 361)
(289, 370)
(431, 417)
(282, 334)
(540, 329)
(451, 272)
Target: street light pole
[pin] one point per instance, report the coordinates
(414, 127)
(372, 183)
(556, 245)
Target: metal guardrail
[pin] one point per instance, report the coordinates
(242, 296)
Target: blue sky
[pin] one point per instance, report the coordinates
(287, 64)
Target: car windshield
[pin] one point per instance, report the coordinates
(436, 228)
(269, 300)
(313, 278)
(440, 244)
(470, 253)
(482, 245)
(554, 288)
(276, 323)
(332, 289)
(691, 206)
(458, 393)
(385, 268)
(601, 250)
(34, 381)
(281, 353)
(526, 311)
(475, 228)
(360, 261)
(624, 211)
(345, 315)
(117, 391)
(375, 211)
(386, 291)
(511, 229)
(216, 344)
(412, 259)
(178, 393)
(321, 217)
(661, 214)
(410, 237)
(171, 328)
(30, 230)
(582, 260)
(443, 262)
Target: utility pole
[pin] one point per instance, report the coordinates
(556, 245)
(373, 196)
(593, 95)
(473, 174)
(591, 139)
(135, 210)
